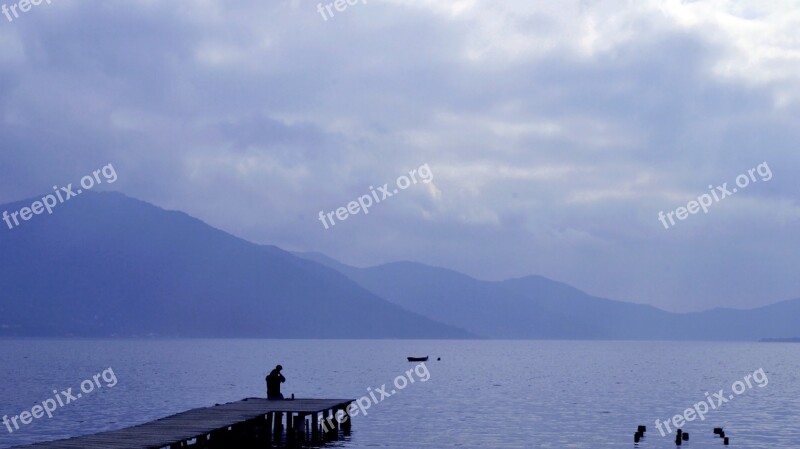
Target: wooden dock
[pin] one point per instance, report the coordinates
(244, 423)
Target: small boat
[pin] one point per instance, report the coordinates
(418, 359)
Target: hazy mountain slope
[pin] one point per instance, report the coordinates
(537, 307)
(452, 297)
(106, 264)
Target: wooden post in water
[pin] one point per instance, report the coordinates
(298, 424)
(348, 424)
(315, 425)
(278, 426)
(289, 427)
(328, 424)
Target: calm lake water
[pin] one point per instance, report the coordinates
(482, 394)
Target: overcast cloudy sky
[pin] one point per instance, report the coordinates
(555, 131)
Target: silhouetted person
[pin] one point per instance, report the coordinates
(274, 381)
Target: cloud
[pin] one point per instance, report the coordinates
(556, 132)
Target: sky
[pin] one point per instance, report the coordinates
(554, 133)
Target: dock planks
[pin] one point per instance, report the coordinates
(176, 430)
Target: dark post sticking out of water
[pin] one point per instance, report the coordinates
(236, 424)
(639, 433)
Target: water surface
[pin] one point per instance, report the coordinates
(482, 394)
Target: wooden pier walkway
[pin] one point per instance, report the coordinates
(248, 422)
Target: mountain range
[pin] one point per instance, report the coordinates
(104, 264)
(535, 307)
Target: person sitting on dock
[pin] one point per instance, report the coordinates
(274, 381)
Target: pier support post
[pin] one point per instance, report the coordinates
(315, 424)
(348, 422)
(329, 421)
(297, 423)
(267, 427)
(278, 421)
(304, 424)
(290, 429)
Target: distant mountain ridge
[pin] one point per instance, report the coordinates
(104, 264)
(781, 340)
(537, 307)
